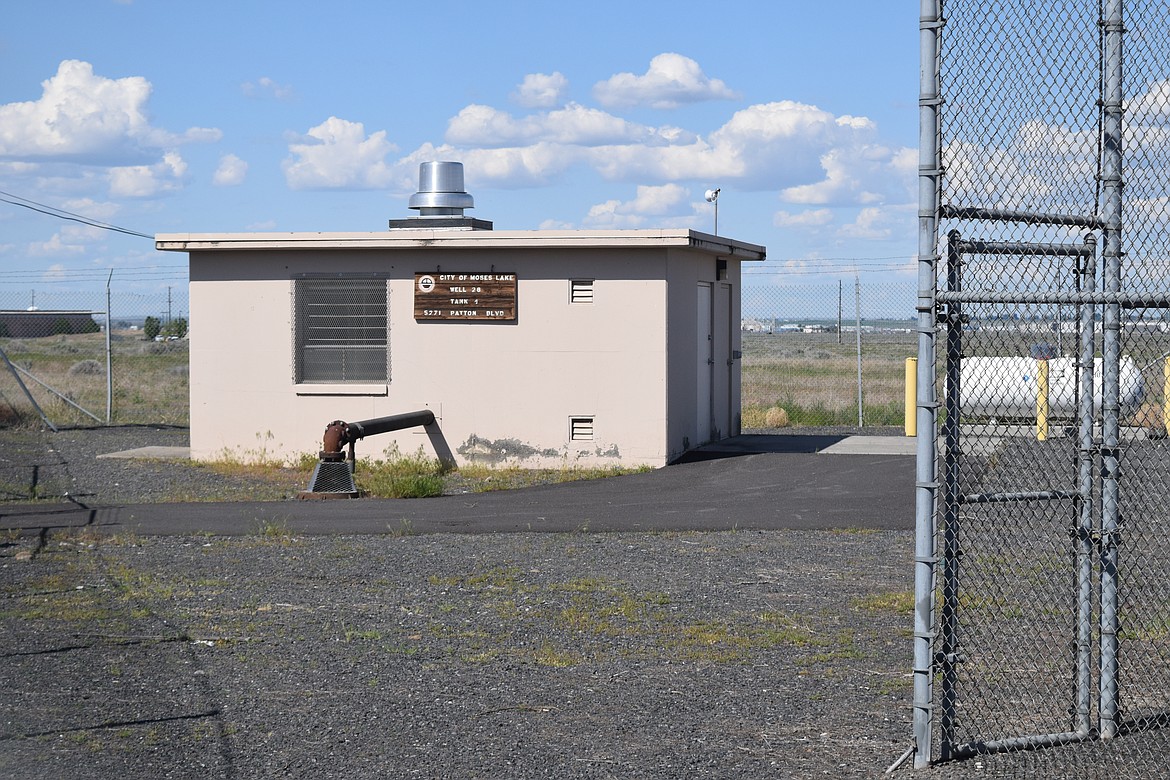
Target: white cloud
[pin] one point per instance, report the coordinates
(807, 154)
(847, 173)
(337, 154)
(54, 246)
(68, 241)
(541, 90)
(813, 218)
(650, 201)
(525, 166)
(1041, 168)
(265, 86)
(18, 168)
(573, 125)
(1149, 209)
(84, 117)
(144, 181)
(608, 214)
(869, 225)
(658, 200)
(231, 171)
(767, 146)
(881, 223)
(670, 81)
(87, 207)
(1152, 106)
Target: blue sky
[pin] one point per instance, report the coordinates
(216, 116)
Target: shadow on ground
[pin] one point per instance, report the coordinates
(762, 443)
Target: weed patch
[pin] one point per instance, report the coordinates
(410, 476)
(897, 602)
(599, 617)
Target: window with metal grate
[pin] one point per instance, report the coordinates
(341, 330)
(581, 291)
(580, 429)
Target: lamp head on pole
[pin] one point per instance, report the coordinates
(712, 196)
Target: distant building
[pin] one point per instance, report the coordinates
(37, 323)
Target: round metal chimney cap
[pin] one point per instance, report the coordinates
(440, 186)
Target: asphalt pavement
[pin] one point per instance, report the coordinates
(749, 482)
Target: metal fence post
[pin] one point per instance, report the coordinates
(109, 356)
(925, 485)
(1111, 175)
(1083, 504)
(857, 312)
(948, 653)
(840, 294)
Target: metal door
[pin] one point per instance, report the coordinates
(705, 362)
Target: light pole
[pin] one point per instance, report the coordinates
(712, 196)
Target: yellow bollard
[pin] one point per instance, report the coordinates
(1042, 400)
(1166, 394)
(911, 415)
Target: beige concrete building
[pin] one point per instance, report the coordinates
(534, 348)
(623, 347)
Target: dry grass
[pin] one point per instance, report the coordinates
(150, 379)
(810, 379)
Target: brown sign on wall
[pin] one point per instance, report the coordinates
(464, 296)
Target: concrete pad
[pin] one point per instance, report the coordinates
(873, 445)
(152, 453)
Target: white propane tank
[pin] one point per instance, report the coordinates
(1005, 387)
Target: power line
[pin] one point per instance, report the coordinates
(829, 265)
(51, 211)
(904, 256)
(822, 271)
(146, 270)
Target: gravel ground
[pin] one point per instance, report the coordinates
(666, 655)
(572, 656)
(64, 466)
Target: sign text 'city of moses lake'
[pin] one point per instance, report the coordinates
(464, 296)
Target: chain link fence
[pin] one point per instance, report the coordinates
(825, 354)
(1042, 630)
(810, 353)
(59, 367)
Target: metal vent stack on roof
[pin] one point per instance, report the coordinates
(441, 190)
(440, 200)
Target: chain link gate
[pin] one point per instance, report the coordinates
(1042, 580)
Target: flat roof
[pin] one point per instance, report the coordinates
(463, 239)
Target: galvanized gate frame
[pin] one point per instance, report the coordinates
(937, 648)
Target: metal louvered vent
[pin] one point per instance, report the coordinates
(581, 291)
(580, 429)
(342, 330)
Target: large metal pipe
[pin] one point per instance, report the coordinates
(394, 422)
(340, 433)
(333, 477)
